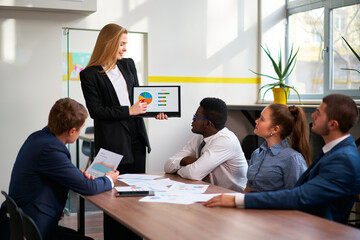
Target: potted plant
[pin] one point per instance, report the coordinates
(280, 88)
(356, 55)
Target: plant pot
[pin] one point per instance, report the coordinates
(280, 96)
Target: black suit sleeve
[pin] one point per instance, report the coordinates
(97, 97)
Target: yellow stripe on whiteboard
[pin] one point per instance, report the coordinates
(154, 79)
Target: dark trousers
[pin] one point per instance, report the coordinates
(139, 153)
(60, 233)
(112, 228)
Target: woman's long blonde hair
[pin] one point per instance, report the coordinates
(106, 46)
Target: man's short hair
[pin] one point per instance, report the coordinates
(215, 110)
(65, 115)
(343, 109)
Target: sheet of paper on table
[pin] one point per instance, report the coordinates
(166, 190)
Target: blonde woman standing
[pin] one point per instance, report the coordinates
(107, 83)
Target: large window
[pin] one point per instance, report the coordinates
(318, 28)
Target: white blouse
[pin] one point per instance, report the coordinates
(119, 83)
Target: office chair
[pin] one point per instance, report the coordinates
(16, 232)
(86, 147)
(30, 229)
(316, 143)
(354, 214)
(249, 144)
(86, 150)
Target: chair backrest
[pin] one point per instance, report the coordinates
(316, 143)
(86, 145)
(16, 231)
(249, 144)
(30, 230)
(89, 130)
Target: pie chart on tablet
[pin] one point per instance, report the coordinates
(145, 97)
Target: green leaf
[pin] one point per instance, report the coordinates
(296, 93)
(290, 61)
(276, 68)
(268, 85)
(350, 69)
(292, 68)
(260, 74)
(356, 55)
(280, 67)
(266, 92)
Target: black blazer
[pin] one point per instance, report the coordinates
(110, 118)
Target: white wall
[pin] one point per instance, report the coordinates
(210, 39)
(185, 38)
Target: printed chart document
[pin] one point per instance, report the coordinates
(131, 189)
(147, 182)
(104, 162)
(181, 188)
(138, 176)
(165, 197)
(166, 190)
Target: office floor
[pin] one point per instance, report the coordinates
(93, 224)
(93, 217)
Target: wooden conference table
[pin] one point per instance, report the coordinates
(174, 221)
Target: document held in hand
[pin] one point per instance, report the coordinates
(104, 162)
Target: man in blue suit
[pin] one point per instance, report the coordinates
(43, 172)
(331, 184)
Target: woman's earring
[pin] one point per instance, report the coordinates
(270, 134)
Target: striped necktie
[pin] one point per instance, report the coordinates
(202, 144)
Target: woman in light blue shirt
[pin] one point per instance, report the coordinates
(275, 164)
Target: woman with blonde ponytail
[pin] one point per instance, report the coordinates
(275, 165)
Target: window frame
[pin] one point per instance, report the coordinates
(299, 6)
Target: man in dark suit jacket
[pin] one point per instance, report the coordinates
(331, 184)
(43, 172)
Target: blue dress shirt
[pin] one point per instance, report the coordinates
(274, 168)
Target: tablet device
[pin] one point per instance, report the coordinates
(164, 99)
(134, 193)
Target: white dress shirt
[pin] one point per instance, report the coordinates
(222, 158)
(327, 147)
(120, 86)
(112, 183)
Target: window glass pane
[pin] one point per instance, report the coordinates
(306, 30)
(346, 23)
